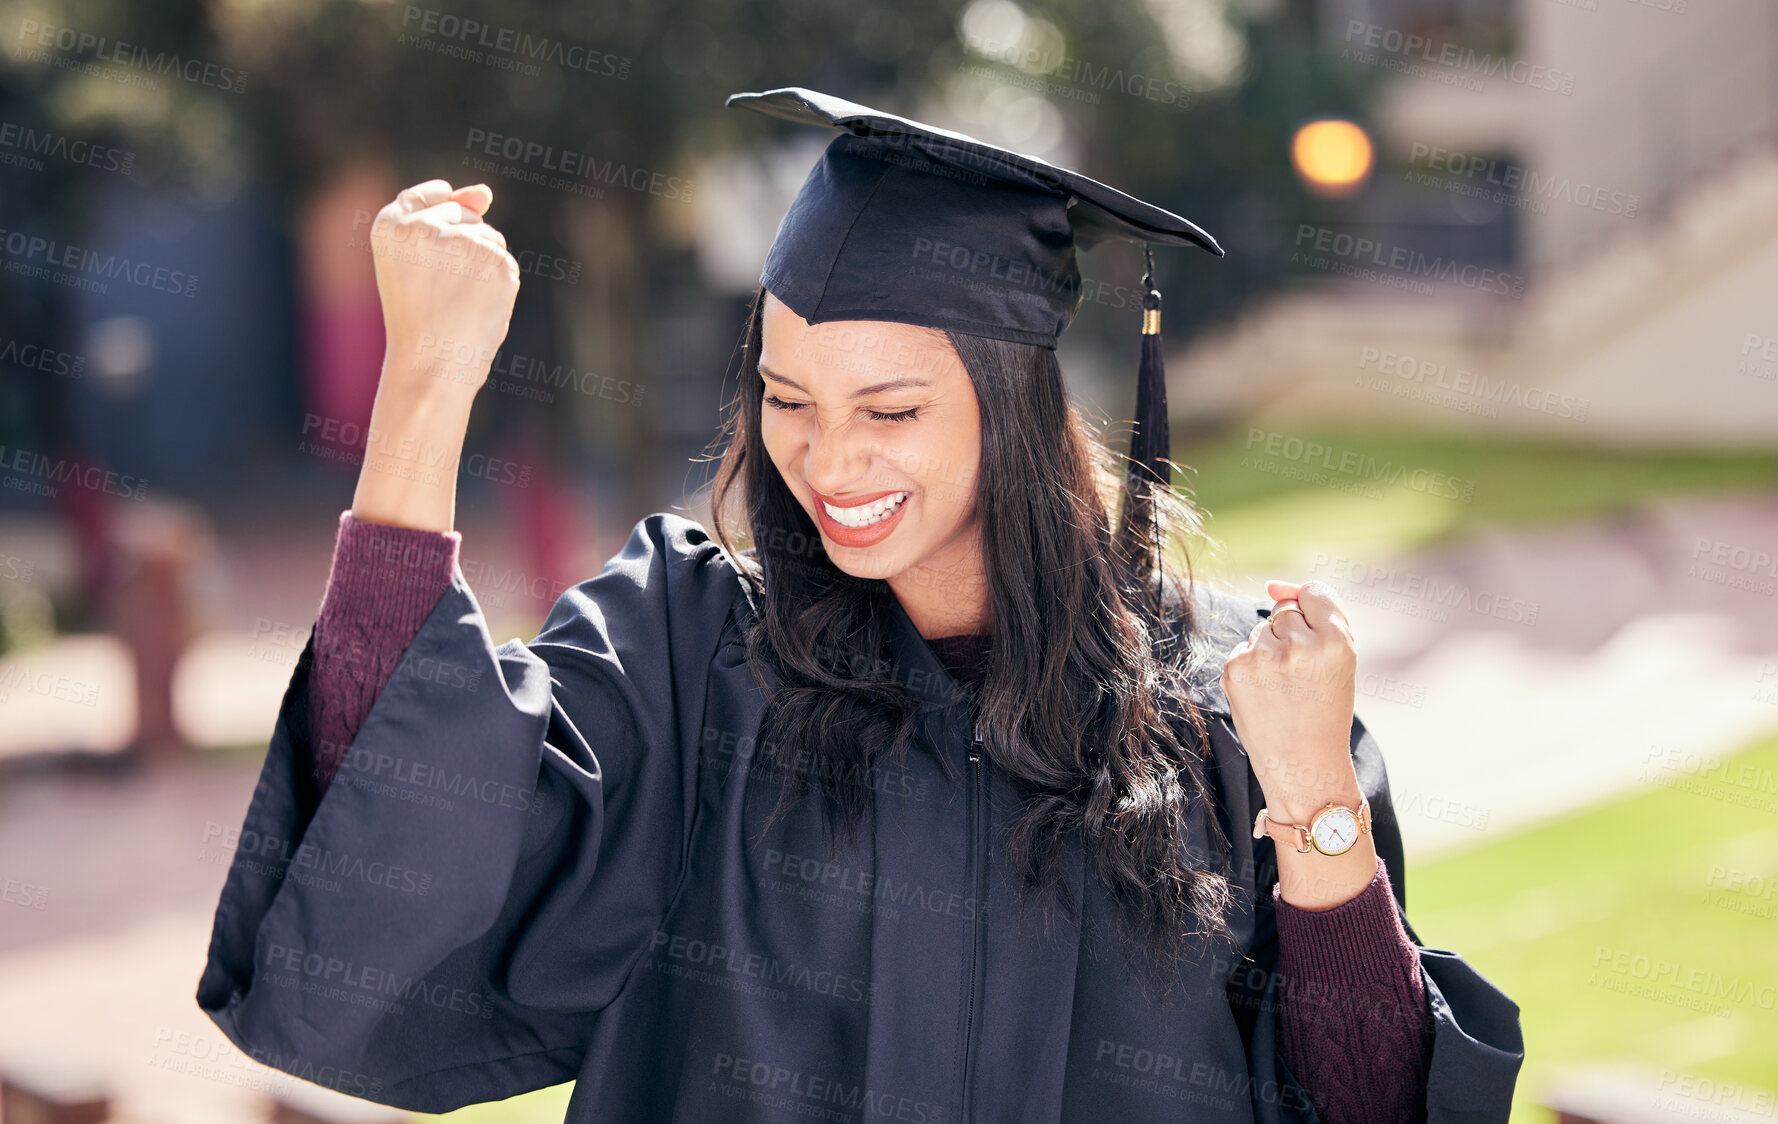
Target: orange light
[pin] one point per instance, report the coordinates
(1332, 157)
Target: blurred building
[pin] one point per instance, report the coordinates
(1571, 231)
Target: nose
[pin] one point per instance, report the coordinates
(838, 456)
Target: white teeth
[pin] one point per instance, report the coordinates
(866, 514)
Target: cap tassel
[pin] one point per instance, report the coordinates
(1149, 440)
(1148, 443)
(1138, 527)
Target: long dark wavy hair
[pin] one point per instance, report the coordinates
(1083, 702)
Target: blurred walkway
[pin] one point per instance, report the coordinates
(255, 601)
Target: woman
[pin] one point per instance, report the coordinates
(924, 806)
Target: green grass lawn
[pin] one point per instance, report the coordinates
(546, 1106)
(1267, 520)
(1683, 871)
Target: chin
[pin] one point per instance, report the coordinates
(867, 562)
(885, 560)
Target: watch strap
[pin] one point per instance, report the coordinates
(1293, 835)
(1297, 836)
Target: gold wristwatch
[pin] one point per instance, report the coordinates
(1332, 831)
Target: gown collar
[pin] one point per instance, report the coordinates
(916, 667)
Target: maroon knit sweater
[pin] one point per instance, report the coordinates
(1353, 1022)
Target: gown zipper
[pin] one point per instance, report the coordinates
(977, 865)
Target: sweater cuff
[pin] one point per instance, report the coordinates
(1359, 941)
(387, 578)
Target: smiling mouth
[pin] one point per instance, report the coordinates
(865, 514)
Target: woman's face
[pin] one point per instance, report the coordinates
(860, 414)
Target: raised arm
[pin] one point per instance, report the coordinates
(1346, 1013)
(1352, 1010)
(446, 285)
(442, 913)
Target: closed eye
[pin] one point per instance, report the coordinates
(778, 403)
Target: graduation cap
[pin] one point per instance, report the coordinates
(908, 222)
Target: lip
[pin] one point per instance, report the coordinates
(843, 535)
(861, 500)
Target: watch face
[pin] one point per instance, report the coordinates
(1335, 832)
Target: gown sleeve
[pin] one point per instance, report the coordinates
(504, 833)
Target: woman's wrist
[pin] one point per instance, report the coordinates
(412, 450)
(1295, 792)
(1296, 788)
(1315, 881)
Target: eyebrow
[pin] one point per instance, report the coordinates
(873, 388)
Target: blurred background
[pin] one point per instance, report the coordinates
(1494, 351)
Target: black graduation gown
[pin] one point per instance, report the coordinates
(542, 862)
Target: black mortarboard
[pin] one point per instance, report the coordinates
(908, 222)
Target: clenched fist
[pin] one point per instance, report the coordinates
(447, 286)
(1290, 687)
